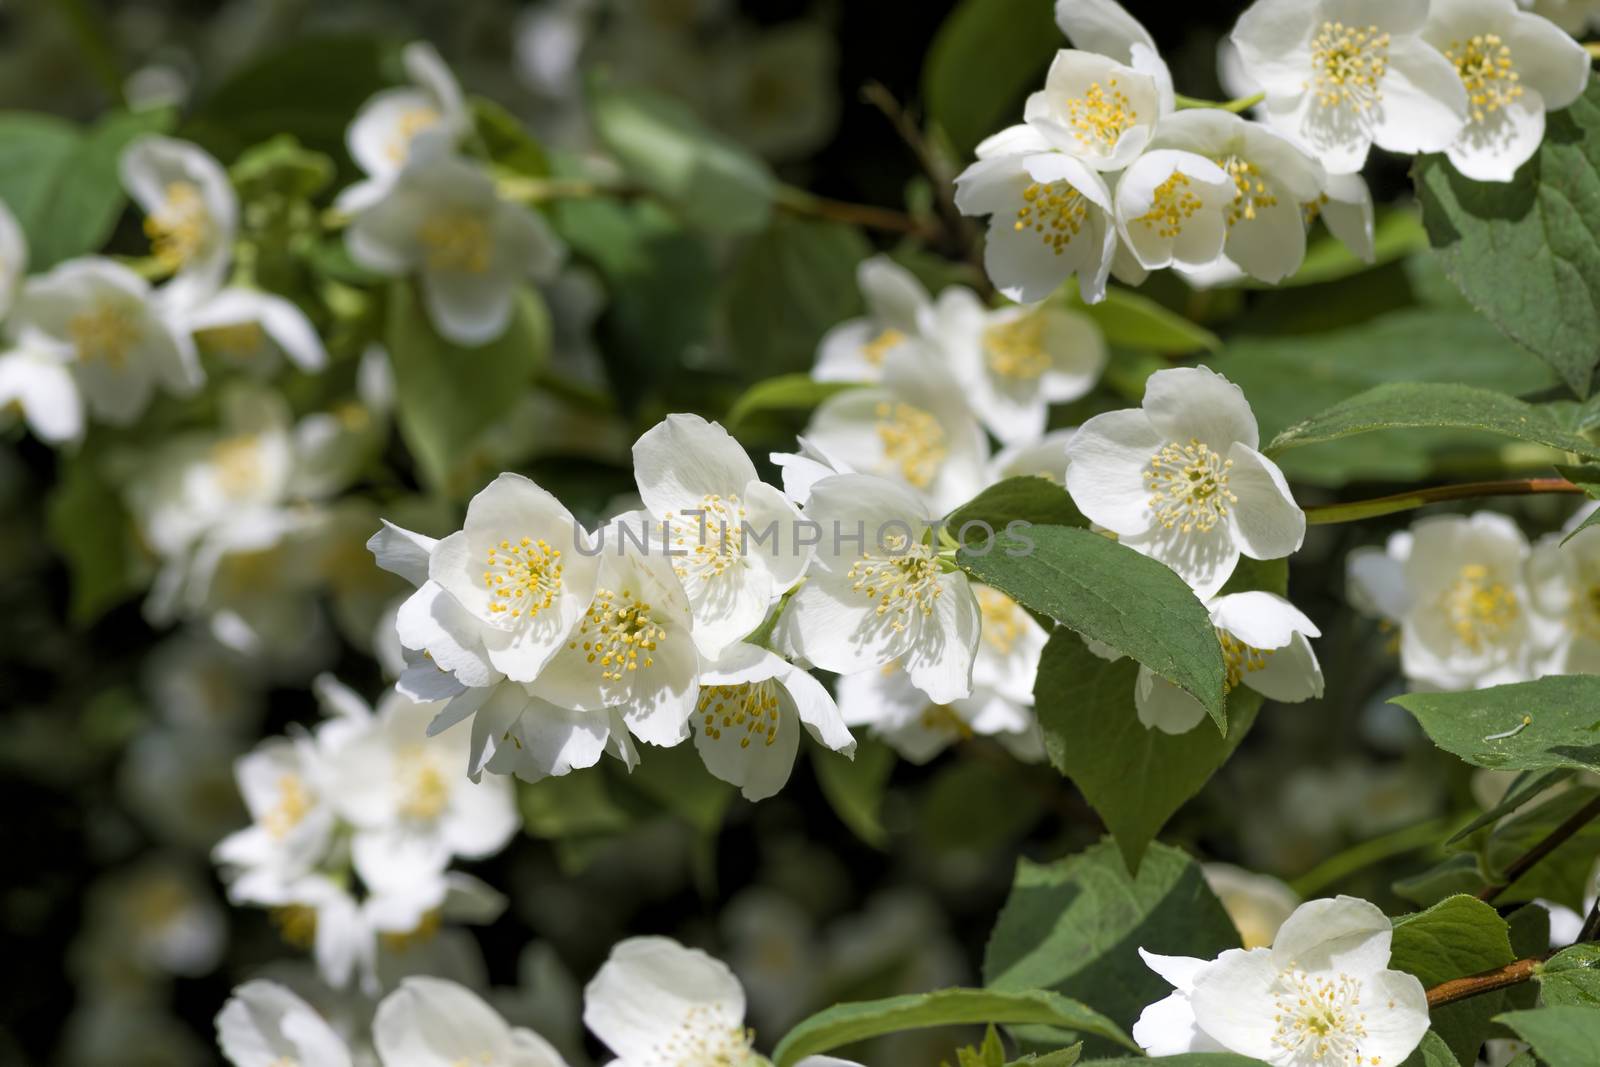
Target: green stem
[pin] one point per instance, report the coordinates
(1243, 103)
(1355, 510)
(1367, 853)
(88, 29)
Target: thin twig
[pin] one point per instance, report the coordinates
(1514, 973)
(1546, 845)
(1320, 514)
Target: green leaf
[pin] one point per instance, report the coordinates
(1563, 1036)
(845, 1024)
(1456, 937)
(855, 788)
(1527, 785)
(1133, 776)
(1061, 1057)
(1587, 479)
(1551, 723)
(1456, 874)
(1433, 1052)
(62, 182)
(790, 284)
(1132, 320)
(447, 395)
(508, 142)
(281, 167)
(570, 805)
(1413, 405)
(714, 184)
(1073, 925)
(1032, 499)
(1571, 977)
(976, 806)
(1563, 875)
(1112, 594)
(1397, 233)
(94, 535)
(1526, 252)
(787, 392)
(986, 57)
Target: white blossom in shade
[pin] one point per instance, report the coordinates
(633, 651)
(1043, 457)
(405, 793)
(514, 731)
(1095, 109)
(878, 592)
(1342, 76)
(504, 591)
(805, 468)
(1049, 217)
(914, 428)
(1321, 994)
(191, 213)
(430, 1022)
(1272, 179)
(1514, 66)
(283, 782)
(386, 130)
(264, 1024)
(747, 722)
(442, 220)
(38, 384)
(1564, 580)
(1258, 904)
(99, 318)
(1105, 27)
(899, 714)
(255, 330)
(898, 310)
(733, 537)
(1345, 206)
(1375, 580)
(1012, 643)
(1172, 209)
(774, 88)
(13, 258)
(1265, 646)
(1180, 479)
(1014, 362)
(155, 919)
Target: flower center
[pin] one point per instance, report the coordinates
(1240, 659)
(296, 923)
(180, 229)
(1481, 609)
(615, 630)
(941, 718)
(719, 543)
(1249, 189)
(105, 332)
(1320, 1017)
(1189, 486)
(1016, 349)
(240, 340)
(1584, 615)
(902, 584)
(874, 350)
(457, 240)
(411, 122)
(1348, 63)
(522, 578)
(1055, 211)
(913, 441)
(749, 710)
(294, 804)
(706, 1039)
(1487, 73)
(1171, 205)
(237, 462)
(1004, 622)
(1101, 115)
(421, 934)
(424, 790)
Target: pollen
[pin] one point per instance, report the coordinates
(296, 923)
(237, 463)
(717, 545)
(1188, 486)
(1016, 349)
(1348, 64)
(239, 340)
(880, 346)
(618, 634)
(421, 934)
(181, 228)
(1055, 211)
(705, 1038)
(1487, 73)
(457, 240)
(1004, 622)
(1240, 659)
(903, 584)
(913, 441)
(1481, 609)
(424, 791)
(294, 804)
(1101, 116)
(1319, 1019)
(942, 719)
(105, 333)
(747, 713)
(407, 126)
(1250, 191)
(1171, 205)
(523, 578)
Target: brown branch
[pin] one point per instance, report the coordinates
(1548, 844)
(870, 216)
(1472, 985)
(1318, 514)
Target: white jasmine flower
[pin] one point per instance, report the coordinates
(1014, 362)
(1172, 209)
(505, 590)
(1180, 479)
(1265, 645)
(1345, 206)
(515, 731)
(1095, 109)
(1272, 179)
(747, 722)
(914, 428)
(1564, 580)
(1008, 655)
(99, 318)
(38, 384)
(1103, 26)
(429, 1022)
(385, 131)
(732, 536)
(918, 729)
(442, 220)
(284, 786)
(877, 592)
(155, 919)
(1340, 78)
(191, 213)
(13, 258)
(256, 330)
(1050, 216)
(1514, 67)
(654, 1001)
(805, 468)
(1044, 457)
(263, 1024)
(898, 310)
(1258, 904)
(1322, 993)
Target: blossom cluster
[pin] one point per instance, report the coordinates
(1107, 174)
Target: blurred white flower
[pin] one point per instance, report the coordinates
(285, 787)
(13, 258)
(385, 132)
(773, 89)
(38, 383)
(1043, 457)
(1258, 904)
(263, 1024)
(429, 1022)
(191, 214)
(255, 330)
(898, 316)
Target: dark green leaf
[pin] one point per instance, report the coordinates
(1457, 874)
(1397, 233)
(788, 392)
(1587, 479)
(1563, 875)
(1571, 976)
(1029, 499)
(1132, 320)
(93, 534)
(1456, 937)
(1563, 1036)
(508, 142)
(1527, 785)
(985, 58)
(1064, 1057)
(1433, 1052)
(1551, 723)
(855, 787)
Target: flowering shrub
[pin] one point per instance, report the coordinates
(504, 547)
